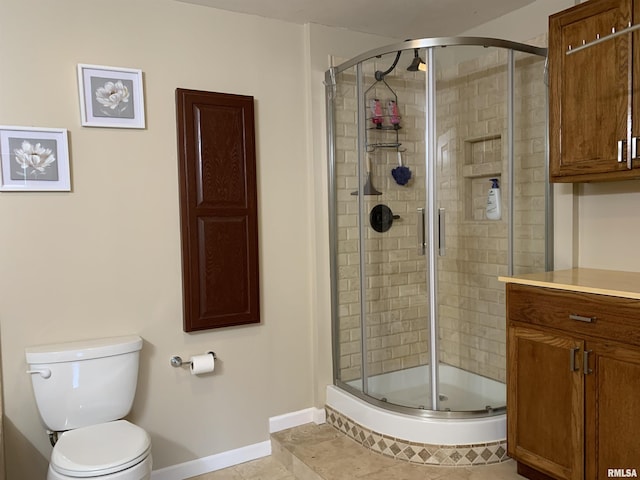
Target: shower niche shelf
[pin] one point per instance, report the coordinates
(482, 162)
(482, 156)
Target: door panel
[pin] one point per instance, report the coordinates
(613, 403)
(545, 400)
(396, 323)
(218, 209)
(470, 149)
(589, 89)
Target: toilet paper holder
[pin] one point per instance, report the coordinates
(176, 360)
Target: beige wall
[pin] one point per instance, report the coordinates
(523, 24)
(608, 225)
(105, 259)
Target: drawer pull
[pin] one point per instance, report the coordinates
(580, 318)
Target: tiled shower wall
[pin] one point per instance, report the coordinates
(395, 273)
(471, 149)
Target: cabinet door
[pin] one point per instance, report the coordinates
(636, 82)
(218, 209)
(589, 92)
(612, 410)
(545, 402)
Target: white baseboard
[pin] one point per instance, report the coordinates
(243, 454)
(319, 416)
(295, 419)
(213, 462)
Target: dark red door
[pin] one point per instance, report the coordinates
(218, 209)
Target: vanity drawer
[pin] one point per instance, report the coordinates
(603, 316)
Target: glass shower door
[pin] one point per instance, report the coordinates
(347, 356)
(395, 269)
(470, 135)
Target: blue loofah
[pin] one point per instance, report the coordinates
(401, 175)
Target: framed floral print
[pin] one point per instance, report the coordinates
(34, 159)
(111, 97)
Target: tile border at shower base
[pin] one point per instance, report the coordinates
(419, 453)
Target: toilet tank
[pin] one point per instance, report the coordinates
(83, 383)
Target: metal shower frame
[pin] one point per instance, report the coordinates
(432, 214)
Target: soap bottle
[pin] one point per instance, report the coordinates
(376, 112)
(394, 114)
(494, 203)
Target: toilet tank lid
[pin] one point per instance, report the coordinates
(83, 349)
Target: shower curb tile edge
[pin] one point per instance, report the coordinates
(444, 455)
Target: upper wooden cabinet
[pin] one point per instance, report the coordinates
(594, 93)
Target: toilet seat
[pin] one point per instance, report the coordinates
(100, 449)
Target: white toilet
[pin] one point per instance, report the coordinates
(83, 390)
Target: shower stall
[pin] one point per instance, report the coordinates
(418, 133)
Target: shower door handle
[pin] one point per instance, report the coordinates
(442, 249)
(422, 242)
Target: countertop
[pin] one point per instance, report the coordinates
(587, 280)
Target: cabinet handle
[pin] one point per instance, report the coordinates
(572, 359)
(634, 148)
(621, 150)
(580, 318)
(585, 362)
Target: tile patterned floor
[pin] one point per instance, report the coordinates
(267, 468)
(321, 452)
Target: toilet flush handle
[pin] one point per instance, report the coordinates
(44, 372)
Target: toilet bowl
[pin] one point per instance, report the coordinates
(112, 450)
(83, 390)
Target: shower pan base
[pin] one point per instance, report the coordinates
(460, 390)
(428, 441)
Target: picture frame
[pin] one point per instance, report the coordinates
(34, 159)
(111, 96)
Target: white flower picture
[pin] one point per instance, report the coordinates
(34, 159)
(111, 97)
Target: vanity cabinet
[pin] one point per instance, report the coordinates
(594, 113)
(573, 383)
